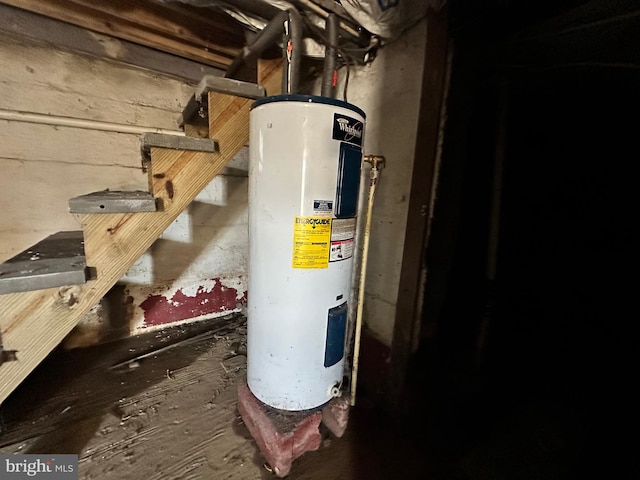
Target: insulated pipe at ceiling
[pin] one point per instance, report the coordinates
(257, 8)
(330, 56)
(266, 37)
(291, 74)
(262, 9)
(289, 23)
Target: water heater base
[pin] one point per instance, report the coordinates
(283, 437)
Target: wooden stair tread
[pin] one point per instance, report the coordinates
(113, 201)
(55, 261)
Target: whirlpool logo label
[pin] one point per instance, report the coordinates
(51, 467)
(347, 129)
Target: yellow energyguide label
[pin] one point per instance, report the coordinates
(311, 242)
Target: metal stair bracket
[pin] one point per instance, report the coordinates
(111, 201)
(175, 142)
(196, 112)
(56, 261)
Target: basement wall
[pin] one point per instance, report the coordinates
(197, 268)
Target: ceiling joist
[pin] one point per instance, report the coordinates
(207, 36)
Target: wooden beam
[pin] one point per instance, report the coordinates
(270, 75)
(214, 40)
(16, 22)
(32, 324)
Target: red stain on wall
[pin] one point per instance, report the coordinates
(160, 310)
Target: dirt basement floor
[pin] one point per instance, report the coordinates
(164, 406)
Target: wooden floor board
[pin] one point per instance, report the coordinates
(163, 406)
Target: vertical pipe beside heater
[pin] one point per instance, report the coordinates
(377, 163)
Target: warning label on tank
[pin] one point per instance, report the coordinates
(341, 250)
(311, 242)
(343, 229)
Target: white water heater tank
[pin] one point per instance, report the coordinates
(304, 178)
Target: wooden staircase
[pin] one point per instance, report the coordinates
(118, 227)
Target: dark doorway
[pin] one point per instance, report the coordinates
(524, 369)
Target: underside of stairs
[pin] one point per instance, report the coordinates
(46, 290)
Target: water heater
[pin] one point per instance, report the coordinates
(304, 177)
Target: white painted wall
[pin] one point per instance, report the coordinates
(203, 251)
(388, 90)
(44, 165)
